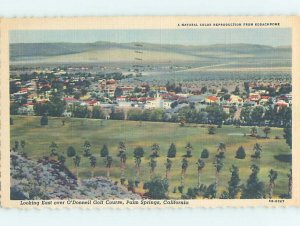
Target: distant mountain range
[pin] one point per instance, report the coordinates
(145, 52)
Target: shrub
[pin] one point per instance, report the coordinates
(211, 130)
(44, 120)
(156, 188)
(138, 152)
(104, 151)
(71, 151)
(172, 151)
(204, 154)
(240, 153)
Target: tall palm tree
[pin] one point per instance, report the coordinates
(221, 147)
(53, 148)
(168, 165)
(184, 166)
(189, 149)
(152, 165)
(122, 147)
(17, 145)
(108, 163)
(218, 164)
(257, 148)
(201, 164)
(23, 144)
(253, 131)
(138, 154)
(272, 177)
(93, 162)
(155, 149)
(123, 158)
(290, 184)
(76, 161)
(61, 159)
(86, 149)
(267, 130)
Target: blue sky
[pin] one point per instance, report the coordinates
(263, 36)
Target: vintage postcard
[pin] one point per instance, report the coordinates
(150, 112)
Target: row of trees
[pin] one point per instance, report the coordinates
(254, 188)
(259, 115)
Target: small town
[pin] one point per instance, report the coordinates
(57, 92)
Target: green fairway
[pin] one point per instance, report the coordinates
(76, 131)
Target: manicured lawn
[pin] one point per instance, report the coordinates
(76, 131)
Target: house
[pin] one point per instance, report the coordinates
(281, 104)
(263, 100)
(167, 104)
(212, 99)
(121, 98)
(108, 86)
(235, 100)
(254, 97)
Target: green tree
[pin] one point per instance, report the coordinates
(93, 162)
(17, 145)
(221, 147)
(247, 87)
(236, 90)
(121, 147)
(168, 165)
(246, 115)
(87, 149)
(233, 184)
(76, 161)
(218, 164)
(56, 105)
(104, 151)
(123, 159)
(53, 149)
(204, 154)
(61, 159)
(172, 151)
(108, 163)
(257, 148)
(184, 166)
(253, 131)
(254, 188)
(44, 120)
(200, 165)
(211, 130)
(98, 113)
(156, 188)
(221, 150)
(288, 136)
(189, 150)
(11, 121)
(23, 143)
(290, 184)
(240, 153)
(155, 149)
(267, 130)
(138, 153)
(152, 164)
(272, 178)
(71, 152)
(257, 114)
(211, 191)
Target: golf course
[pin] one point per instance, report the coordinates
(134, 134)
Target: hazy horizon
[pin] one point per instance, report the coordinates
(188, 37)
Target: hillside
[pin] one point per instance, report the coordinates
(48, 179)
(126, 52)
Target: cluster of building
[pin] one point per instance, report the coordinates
(111, 93)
